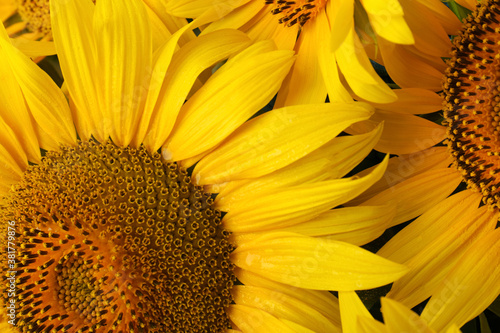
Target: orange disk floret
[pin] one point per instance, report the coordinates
(116, 240)
(472, 101)
(293, 12)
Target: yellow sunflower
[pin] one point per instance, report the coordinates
(452, 247)
(110, 217)
(341, 34)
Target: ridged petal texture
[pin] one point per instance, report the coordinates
(276, 139)
(314, 263)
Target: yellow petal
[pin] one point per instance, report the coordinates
(351, 308)
(7, 9)
(322, 301)
(236, 18)
(295, 204)
(386, 18)
(418, 194)
(162, 60)
(330, 71)
(404, 167)
(74, 40)
(264, 26)
(359, 73)
(296, 327)
(370, 325)
(305, 84)
(313, 263)
(236, 94)
(282, 306)
(399, 318)
(355, 225)
(428, 268)
(442, 12)
(166, 100)
(413, 101)
(403, 133)
(34, 48)
(408, 70)
(45, 100)
(194, 8)
(430, 36)
(276, 139)
(434, 222)
(252, 320)
(341, 17)
(469, 288)
(332, 160)
(123, 65)
(15, 118)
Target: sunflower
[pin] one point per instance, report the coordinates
(326, 34)
(111, 220)
(452, 247)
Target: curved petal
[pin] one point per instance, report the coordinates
(322, 301)
(355, 225)
(434, 222)
(399, 318)
(413, 101)
(387, 20)
(403, 133)
(16, 119)
(295, 204)
(430, 265)
(418, 194)
(341, 19)
(77, 56)
(332, 160)
(45, 100)
(276, 139)
(469, 288)
(170, 92)
(252, 320)
(236, 94)
(408, 70)
(405, 167)
(314, 263)
(305, 84)
(283, 306)
(359, 73)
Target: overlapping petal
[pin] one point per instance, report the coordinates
(314, 263)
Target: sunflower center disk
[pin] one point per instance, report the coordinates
(36, 13)
(296, 11)
(117, 240)
(472, 108)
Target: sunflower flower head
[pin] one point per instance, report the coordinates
(139, 228)
(472, 102)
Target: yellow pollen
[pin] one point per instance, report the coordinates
(115, 240)
(472, 101)
(36, 13)
(293, 12)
